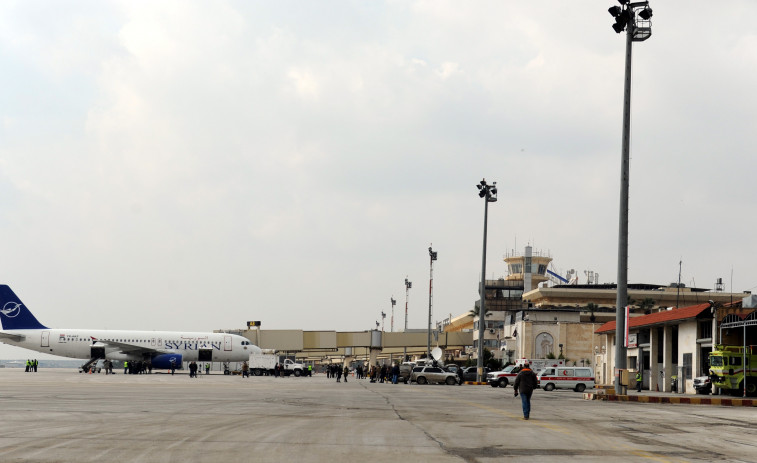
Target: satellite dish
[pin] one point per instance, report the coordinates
(437, 353)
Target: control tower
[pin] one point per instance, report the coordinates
(529, 267)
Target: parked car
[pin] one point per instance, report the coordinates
(703, 384)
(504, 377)
(429, 374)
(406, 369)
(471, 373)
(452, 368)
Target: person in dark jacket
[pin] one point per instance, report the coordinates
(525, 383)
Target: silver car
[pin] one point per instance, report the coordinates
(429, 374)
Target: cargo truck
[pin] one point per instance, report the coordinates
(265, 363)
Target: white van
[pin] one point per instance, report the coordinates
(576, 378)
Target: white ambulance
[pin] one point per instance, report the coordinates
(562, 377)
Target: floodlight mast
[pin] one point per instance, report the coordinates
(636, 31)
(489, 193)
(391, 325)
(432, 255)
(408, 285)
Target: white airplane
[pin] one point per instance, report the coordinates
(163, 349)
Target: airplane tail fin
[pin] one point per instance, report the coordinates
(14, 315)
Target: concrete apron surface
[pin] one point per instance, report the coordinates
(64, 416)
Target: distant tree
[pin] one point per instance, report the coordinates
(646, 305)
(476, 308)
(591, 307)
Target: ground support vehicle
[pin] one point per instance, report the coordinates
(576, 378)
(429, 374)
(703, 385)
(265, 364)
(734, 368)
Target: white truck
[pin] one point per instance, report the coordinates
(507, 376)
(264, 364)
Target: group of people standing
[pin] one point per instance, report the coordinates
(336, 371)
(385, 373)
(108, 367)
(194, 367)
(31, 365)
(377, 373)
(134, 368)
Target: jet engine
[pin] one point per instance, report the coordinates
(164, 361)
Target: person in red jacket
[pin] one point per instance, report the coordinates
(525, 383)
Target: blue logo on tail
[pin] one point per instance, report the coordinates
(11, 309)
(15, 315)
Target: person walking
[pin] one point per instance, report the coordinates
(346, 372)
(126, 367)
(525, 383)
(395, 372)
(638, 381)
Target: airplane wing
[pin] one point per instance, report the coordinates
(127, 348)
(12, 336)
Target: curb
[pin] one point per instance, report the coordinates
(475, 383)
(730, 402)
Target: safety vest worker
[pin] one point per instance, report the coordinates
(638, 381)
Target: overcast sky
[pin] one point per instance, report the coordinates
(195, 165)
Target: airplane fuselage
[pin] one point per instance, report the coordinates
(115, 344)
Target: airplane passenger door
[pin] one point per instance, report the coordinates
(227, 343)
(45, 339)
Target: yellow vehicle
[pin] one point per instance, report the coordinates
(727, 367)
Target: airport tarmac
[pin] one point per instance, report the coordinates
(65, 416)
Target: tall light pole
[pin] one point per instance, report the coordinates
(432, 255)
(408, 285)
(383, 317)
(391, 325)
(489, 193)
(634, 18)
